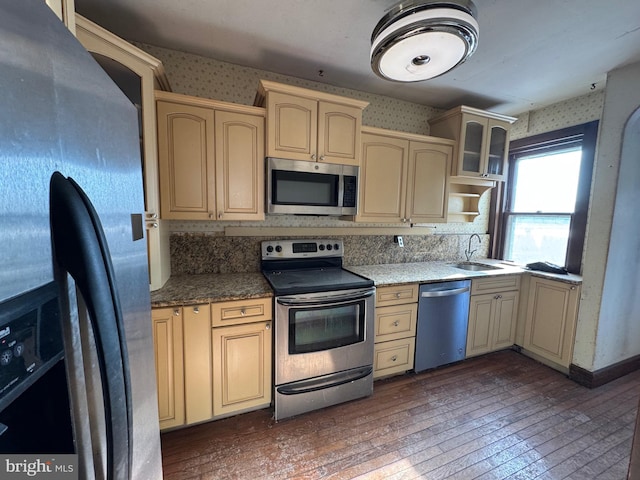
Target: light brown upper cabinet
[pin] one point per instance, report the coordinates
(139, 74)
(211, 157)
(403, 177)
(482, 141)
(308, 125)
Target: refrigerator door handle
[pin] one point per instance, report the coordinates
(80, 248)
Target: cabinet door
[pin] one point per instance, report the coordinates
(396, 356)
(239, 159)
(167, 342)
(551, 319)
(395, 322)
(496, 150)
(480, 329)
(427, 186)
(339, 133)
(197, 363)
(186, 158)
(241, 367)
(504, 320)
(472, 141)
(397, 294)
(292, 127)
(383, 179)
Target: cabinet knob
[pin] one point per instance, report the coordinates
(152, 225)
(322, 158)
(397, 294)
(196, 309)
(313, 156)
(497, 297)
(210, 215)
(409, 219)
(176, 312)
(219, 215)
(243, 312)
(267, 326)
(152, 216)
(394, 358)
(573, 287)
(396, 323)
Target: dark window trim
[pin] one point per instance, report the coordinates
(585, 134)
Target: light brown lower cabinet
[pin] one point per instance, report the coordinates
(241, 367)
(205, 371)
(395, 329)
(198, 382)
(550, 322)
(167, 341)
(493, 311)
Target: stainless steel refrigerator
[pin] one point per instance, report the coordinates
(80, 230)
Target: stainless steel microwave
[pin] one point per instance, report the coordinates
(311, 188)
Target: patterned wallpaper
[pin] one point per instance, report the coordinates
(559, 115)
(208, 78)
(199, 76)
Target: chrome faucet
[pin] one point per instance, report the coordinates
(468, 252)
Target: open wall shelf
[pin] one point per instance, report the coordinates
(464, 198)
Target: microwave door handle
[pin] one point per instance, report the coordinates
(327, 299)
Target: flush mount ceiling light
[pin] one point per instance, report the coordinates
(418, 40)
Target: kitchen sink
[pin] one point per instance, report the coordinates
(476, 267)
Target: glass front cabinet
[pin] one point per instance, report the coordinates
(482, 141)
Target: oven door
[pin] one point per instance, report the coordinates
(323, 333)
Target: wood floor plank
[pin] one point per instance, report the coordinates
(497, 416)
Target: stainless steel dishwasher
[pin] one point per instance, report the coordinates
(443, 315)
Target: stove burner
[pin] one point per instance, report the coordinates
(293, 267)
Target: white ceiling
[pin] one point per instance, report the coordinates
(531, 53)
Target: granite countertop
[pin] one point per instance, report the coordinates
(191, 289)
(428, 272)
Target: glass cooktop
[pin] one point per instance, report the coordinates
(309, 280)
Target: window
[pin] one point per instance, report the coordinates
(544, 210)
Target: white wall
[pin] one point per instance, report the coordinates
(608, 329)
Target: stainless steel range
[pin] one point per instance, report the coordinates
(323, 326)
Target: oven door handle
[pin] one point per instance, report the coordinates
(328, 381)
(327, 299)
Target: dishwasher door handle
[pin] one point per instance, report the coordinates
(444, 293)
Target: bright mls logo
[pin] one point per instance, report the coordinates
(50, 467)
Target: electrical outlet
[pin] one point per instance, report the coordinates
(399, 241)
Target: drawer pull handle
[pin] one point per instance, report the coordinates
(176, 312)
(243, 312)
(394, 358)
(196, 309)
(267, 326)
(397, 294)
(396, 323)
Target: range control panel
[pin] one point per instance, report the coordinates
(291, 249)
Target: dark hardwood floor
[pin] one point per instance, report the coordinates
(498, 416)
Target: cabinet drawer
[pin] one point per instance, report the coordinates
(495, 284)
(241, 311)
(396, 295)
(392, 357)
(396, 321)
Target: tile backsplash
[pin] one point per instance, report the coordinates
(201, 253)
